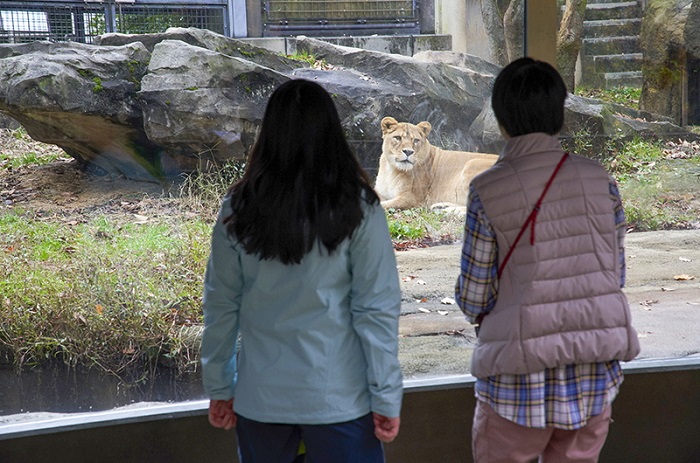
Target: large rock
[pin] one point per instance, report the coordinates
(663, 45)
(204, 105)
(692, 45)
(82, 98)
(153, 106)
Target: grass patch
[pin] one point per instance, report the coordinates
(626, 96)
(202, 191)
(99, 294)
(421, 223)
(19, 150)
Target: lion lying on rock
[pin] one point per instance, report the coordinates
(414, 173)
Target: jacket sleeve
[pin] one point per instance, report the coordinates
(376, 307)
(223, 284)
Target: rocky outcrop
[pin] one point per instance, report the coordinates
(153, 106)
(663, 45)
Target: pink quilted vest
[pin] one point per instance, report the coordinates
(559, 299)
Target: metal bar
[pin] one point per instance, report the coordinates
(79, 421)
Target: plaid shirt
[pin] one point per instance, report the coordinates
(563, 397)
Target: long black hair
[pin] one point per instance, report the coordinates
(528, 96)
(303, 184)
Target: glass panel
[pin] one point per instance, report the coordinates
(101, 282)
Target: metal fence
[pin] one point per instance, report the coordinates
(342, 17)
(83, 20)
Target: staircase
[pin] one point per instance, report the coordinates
(611, 55)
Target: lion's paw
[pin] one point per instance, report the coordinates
(450, 209)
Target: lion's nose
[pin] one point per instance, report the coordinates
(408, 152)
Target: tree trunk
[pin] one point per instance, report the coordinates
(513, 24)
(569, 39)
(493, 22)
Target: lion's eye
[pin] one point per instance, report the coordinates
(397, 138)
(416, 141)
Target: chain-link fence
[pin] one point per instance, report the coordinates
(81, 21)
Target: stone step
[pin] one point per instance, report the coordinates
(605, 1)
(594, 68)
(610, 45)
(617, 10)
(622, 79)
(612, 27)
(617, 63)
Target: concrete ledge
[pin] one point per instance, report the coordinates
(406, 45)
(656, 419)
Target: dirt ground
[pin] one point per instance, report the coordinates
(663, 284)
(663, 288)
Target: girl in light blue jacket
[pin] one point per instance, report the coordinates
(303, 269)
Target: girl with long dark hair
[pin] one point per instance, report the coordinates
(302, 267)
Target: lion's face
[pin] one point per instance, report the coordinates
(405, 145)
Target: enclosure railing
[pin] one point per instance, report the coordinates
(342, 17)
(83, 20)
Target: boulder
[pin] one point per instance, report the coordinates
(662, 40)
(153, 106)
(692, 45)
(82, 98)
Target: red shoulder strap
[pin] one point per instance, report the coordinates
(533, 216)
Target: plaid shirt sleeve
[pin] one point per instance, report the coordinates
(620, 226)
(477, 285)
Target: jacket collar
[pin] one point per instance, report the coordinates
(532, 143)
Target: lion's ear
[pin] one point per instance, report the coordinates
(425, 127)
(388, 123)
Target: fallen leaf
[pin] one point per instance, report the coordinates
(667, 289)
(423, 299)
(683, 277)
(693, 303)
(99, 309)
(421, 309)
(442, 312)
(685, 259)
(140, 218)
(455, 332)
(447, 301)
(421, 282)
(648, 303)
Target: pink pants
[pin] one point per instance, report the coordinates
(495, 439)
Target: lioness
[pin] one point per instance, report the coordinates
(414, 173)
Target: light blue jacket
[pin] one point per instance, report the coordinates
(319, 340)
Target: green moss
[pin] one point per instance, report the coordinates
(247, 53)
(98, 87)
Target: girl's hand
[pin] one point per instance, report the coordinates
(221, 414)
(386, 429)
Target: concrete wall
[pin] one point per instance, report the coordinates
(406, 45)
(656, 419)
(462, 20)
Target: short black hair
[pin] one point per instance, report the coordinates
(528, 96)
